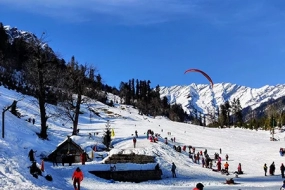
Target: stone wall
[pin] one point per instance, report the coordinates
(130, 176)
(130, 158)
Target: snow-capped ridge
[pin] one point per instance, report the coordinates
(203, 97)
(14, 33)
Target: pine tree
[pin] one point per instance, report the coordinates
(237, 112)
(107, 135)
(223, 115)
(228, 110)
(3, 38)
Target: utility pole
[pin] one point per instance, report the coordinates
(3, 117)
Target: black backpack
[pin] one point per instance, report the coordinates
(48, 177)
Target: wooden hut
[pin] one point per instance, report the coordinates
(67, 152)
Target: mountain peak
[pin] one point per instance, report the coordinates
(204, 98)
(14, 32)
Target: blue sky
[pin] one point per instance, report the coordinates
(241, 42)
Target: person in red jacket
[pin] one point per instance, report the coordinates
(134, 141)
(199, 186)
(239, 169)
(77, 177)
(219, 164)
(43, 165)
(226, 166)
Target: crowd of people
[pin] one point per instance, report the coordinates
(199, 157)
(204, 159)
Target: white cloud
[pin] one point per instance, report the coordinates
(126, 11)
(216, 12)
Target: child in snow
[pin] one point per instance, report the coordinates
(265, 169)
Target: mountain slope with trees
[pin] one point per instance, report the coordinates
(29, 65)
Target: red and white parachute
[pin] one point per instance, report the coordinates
(203, 73)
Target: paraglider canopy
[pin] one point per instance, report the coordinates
(203, 73)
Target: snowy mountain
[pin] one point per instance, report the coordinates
(14, 33)
(204, 99)
(200, 97)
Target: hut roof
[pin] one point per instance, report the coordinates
(66, 141)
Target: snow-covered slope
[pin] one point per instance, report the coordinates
(250, 148)
(204, 98)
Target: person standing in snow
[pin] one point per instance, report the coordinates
(134, 142)
(226, 166)
(265, 169)
(272, 169)
(216, 155)
(219, 159)
(136, 133)
(203, 162)
(191, 156)
(210, 164)
(219, 164)
(227, 157)
(42, 165)
(54, 161)
(198, 158)
(190, 147)
(77, 177)
(69, 158)
(173, 168)
(239, 168)
(31, 155)
(282, 169)
(63, 159)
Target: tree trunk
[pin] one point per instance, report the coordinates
(41, 96)
(77, 111)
